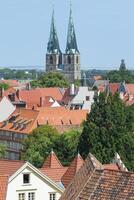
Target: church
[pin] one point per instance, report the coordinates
(67, 63)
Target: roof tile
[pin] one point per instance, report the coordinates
(3, 186)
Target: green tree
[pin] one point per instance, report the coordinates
(122, 66)
(4, 85)
(38, 144)
(2, 150)
(121, 75)
(51, 79)
(107, 126)
(66, 147)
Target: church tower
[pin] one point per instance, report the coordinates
(72, 55)
(54, 55)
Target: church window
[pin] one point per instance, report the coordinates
(77, 59)
(60, 60)
(69, 60)
(51, 59)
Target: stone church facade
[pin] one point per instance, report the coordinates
(67, 63)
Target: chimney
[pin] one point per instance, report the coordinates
(18, 94)
(72, 89)
(29, 86)
(2, 92)
(41, 101)
(12, 97)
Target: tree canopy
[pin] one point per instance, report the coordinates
(109, 128)
(121, 75)
(66, 147)
(45, 138)
(2, 150)
(51, 79)
(4, 85)
(38, 144)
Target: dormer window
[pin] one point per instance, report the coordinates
(26, 178)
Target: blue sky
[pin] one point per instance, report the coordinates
(104, 31)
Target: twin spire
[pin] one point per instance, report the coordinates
(53, 44)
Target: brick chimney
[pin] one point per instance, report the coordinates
(42, 99)
(2, 92)
(18, 94)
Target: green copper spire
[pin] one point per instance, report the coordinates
(71, 46)
(53, 44)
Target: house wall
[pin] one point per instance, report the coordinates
(37, 184)
(81, 98)
(12, 141)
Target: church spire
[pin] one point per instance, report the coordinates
(53, 44)
(71, 46)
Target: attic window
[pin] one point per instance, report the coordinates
(26, 178)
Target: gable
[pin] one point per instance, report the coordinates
(37, 179)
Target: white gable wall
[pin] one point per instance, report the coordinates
(37, 184)
(6, 109)
(81, 98)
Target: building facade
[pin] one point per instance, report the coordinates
(28, 183)
(69, 62)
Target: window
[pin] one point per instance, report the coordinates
(87, 98)
(77, 59)
(31, 196)
(21, 196)
(69, 60)
(51, 59)
(26, 178)
(52, 196)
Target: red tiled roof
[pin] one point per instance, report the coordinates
(130, 88)
(94, 181)
(53, 168)
(52, 161)
(108, 184)
(11, 83)
(32, 97)
(3, 186)
(10, 166)
(26, 116)
(112, 166)
(8, 92)
(113, 87)
(67, 97)
(72, 170)
(54, 173)
(61, 116)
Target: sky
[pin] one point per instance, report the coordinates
(104, 31)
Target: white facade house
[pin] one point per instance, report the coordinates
(83, 99)
(28, 183)
(6, 109)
